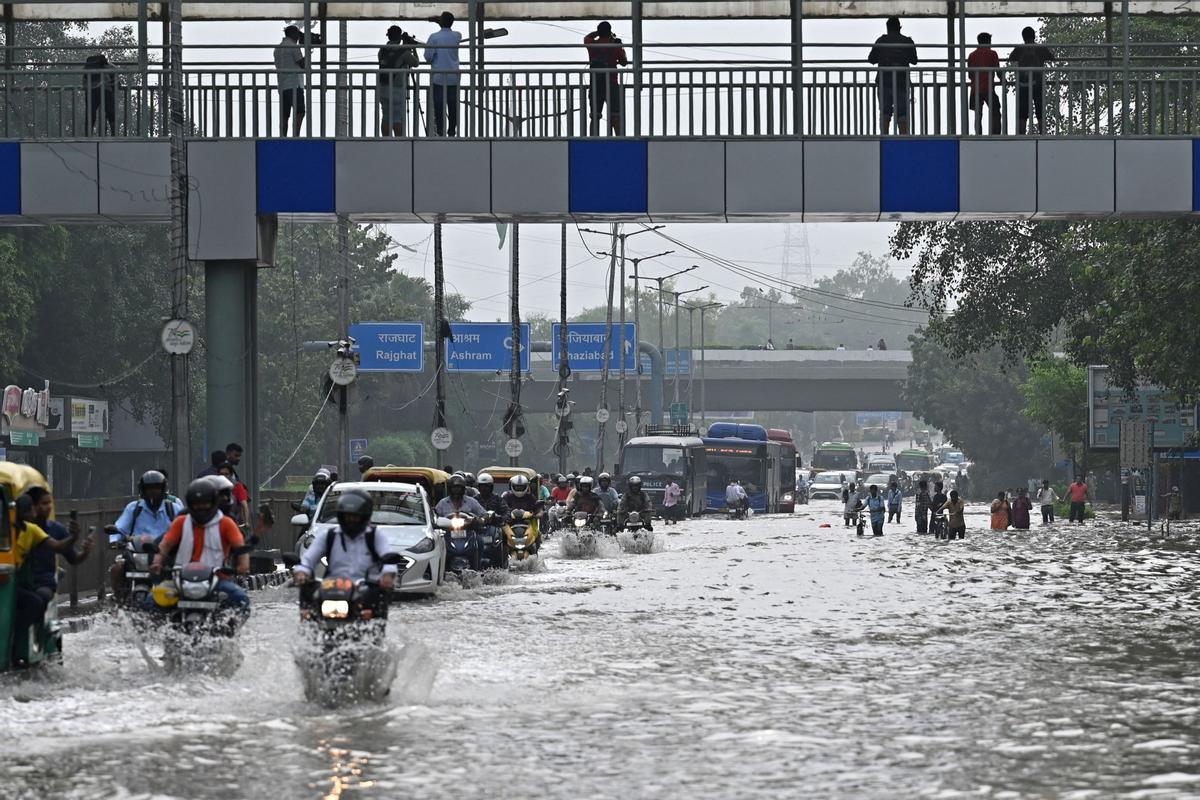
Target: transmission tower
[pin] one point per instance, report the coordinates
(797, 257)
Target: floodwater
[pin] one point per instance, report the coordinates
(763, 658)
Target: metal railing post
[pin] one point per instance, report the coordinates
(636, 33)
(1124, 66)
(797, 39)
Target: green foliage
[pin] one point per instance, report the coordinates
(402, 449)
(1056, 398)
(978, 405)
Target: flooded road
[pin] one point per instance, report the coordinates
(765, 658)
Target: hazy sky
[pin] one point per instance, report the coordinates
(478, 270)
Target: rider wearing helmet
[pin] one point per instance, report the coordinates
(204, 535)
(488, 498)
(150, 515)
(457, 501)
(561, 490)
(520, 496)
(224, 492)
(320, 483)
(583, 498)
(365, 463)
(353, 548)
(607, 494)
(635, 499)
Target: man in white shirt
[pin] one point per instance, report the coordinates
(441, 52)
(289, 72)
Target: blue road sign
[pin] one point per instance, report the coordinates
(585, 345)
(390, 346)
(358, 449)
(685, 362)
(485, 347)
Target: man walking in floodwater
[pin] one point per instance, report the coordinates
(1077, 493)
(893, 53)
(1046, 499)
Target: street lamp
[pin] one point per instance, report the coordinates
(678, 295)
(661, 341)
(703, 374)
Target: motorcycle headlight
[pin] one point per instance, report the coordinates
(789, 497)
(457, 524)
(141, 562)
(335, 609)
(194, 590)
(423, 546)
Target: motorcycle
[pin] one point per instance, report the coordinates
(136, 553)
(939, 526)
(462, 542)
(200, 633)
(736, 511)
(635, 522)
(345, 622)
(605, 522)
(521, 534)
(493, 549)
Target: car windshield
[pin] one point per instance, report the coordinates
(879, 480)
(828, 477)
(392, 507)
(653, 460)
(836, 459)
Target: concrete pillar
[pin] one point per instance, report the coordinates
(230, 300)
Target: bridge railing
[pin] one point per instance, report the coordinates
(688, 100)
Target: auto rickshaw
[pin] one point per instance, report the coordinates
(43, 642)
(432, 480)
(502, 474)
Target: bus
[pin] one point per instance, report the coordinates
(668, 452)
(745, 454)
(915, 460)
(834, 457)
(788, 461)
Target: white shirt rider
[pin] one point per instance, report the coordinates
(734, 493)
(349, 557)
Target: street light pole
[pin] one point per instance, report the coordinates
(678, 295)
(703, 374)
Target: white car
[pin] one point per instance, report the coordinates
(402, 512)
(880, 479)
(827, 486)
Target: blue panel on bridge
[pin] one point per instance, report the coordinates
(608, 177)
(10, 178)
(919, 176)
(295, 176)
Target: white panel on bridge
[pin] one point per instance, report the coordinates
(222, 200)
(841, 180)
(452, 179)
(59, 180)
(1154, 176)
(1075, 177)
(531, 179)
(764, 178)
(997, 178)
(374, 180)
(135, 180)
(685, 180)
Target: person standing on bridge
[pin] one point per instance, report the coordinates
(1030, 59)
(605, 55)
(441, 51)
(289, 72)
(396, 59)
(100, 79)
(984, 66)
(893, 53)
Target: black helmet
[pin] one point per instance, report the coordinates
(201, 499)
(517, 484)
(635, 484)
(354, 508)
(152, 477)
(470, 478)
(365, 463)
(458, 482)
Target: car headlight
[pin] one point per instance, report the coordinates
(335, 609)
(423, 546)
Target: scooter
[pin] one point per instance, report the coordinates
(462, 542)
(493, 549)
(522, 535)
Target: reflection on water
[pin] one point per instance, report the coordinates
(767, 658)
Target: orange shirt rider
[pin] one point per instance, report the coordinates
(231, 537)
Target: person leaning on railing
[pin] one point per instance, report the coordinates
(1030, 59)
(893, 53)
(396, 58)
(605, 54)
(441, 51)
(100, 80)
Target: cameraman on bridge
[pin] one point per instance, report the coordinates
(605, 54)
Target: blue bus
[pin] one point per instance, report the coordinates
(744, 453)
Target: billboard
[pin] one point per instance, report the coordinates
(1109, 406)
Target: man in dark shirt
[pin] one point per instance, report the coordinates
(605, 55)
(893, 53)
(1030, 59)
(983, 65)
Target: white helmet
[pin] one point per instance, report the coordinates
(517, 484)
(485, 478)
(585, 483)
(221, 483)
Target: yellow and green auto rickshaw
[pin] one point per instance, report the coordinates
(43, 641)
(432, 480)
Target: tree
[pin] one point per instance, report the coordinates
(1056, 398)
(978, 405)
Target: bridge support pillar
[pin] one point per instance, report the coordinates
(658, 369)
(231, 312)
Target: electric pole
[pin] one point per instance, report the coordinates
(180, 408)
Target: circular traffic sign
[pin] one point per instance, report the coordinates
(602, 415)
(343, 371)
(441, 438)
(178, 337)
(563, 410)
(621, 426)
(514, 448)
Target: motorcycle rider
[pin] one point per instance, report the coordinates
(607, 494)
(635, 499)
(351, 549)
(584, 499)
(801, 488)
(519, 497)
(488, 498)
(151, 514)
(320, 483)
(561, 490)
(207, 536)
(736, 497)
(457, 501)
